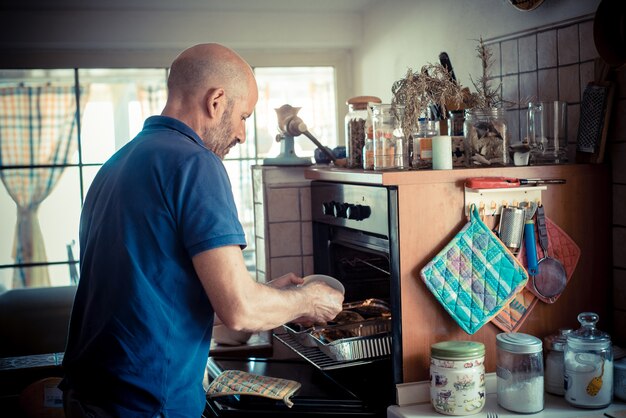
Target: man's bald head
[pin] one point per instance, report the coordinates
(209, 66)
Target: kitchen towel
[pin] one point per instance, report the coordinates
(564, 249)
(474, 276)
(237, 382)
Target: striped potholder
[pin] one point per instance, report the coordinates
(237, 382)
(474, 276)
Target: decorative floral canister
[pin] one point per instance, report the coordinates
(457, 377)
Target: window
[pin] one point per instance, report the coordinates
(48, 162)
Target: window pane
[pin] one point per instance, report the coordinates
(312, 89)
(119, 101)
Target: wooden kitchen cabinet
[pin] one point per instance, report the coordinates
(431, 211)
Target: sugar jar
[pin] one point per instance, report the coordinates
(588, 365)
(486, 141)
(356, 128)
(554, 381)
(457, 377)
(519, 371)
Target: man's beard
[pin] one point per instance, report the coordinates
(220, 139)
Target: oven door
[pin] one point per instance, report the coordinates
(321, 394)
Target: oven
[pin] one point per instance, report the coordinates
(355, 239)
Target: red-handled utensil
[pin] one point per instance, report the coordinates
(505, 182)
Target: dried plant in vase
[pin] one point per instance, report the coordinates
(485, 125)
(432, 85)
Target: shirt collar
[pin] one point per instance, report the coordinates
(167, 122)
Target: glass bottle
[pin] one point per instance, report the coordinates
(554, 368)
(588, 365)
(390, 145)
(423, 144)
(486, 140)
(519, 371)
(457, 373)
(355, 128)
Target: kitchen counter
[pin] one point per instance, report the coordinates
(555, 407)
(399, 177)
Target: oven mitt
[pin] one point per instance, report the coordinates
(237, 382)
(475, 275)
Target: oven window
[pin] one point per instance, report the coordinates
(364, 272)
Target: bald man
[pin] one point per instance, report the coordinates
(161, 254)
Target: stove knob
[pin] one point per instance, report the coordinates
(358, 212)
(328, 208)
(340, 210)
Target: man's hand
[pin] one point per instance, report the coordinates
(288, 280)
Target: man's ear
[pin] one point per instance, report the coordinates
(216, 103)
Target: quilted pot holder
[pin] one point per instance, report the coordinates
(237, 382)
(475, 275)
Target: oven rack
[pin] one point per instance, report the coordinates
(317, 357)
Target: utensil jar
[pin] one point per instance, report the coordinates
(457, 377)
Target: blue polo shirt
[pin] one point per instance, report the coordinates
(141, 323)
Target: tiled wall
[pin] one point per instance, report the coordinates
(556, 63)
(282, 211)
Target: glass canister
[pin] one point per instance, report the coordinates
(519, 371)
(588, 365)
(554, 381)
(457, 377)
(486, 142)
(423, 144)
(356, 128)
(390, 143)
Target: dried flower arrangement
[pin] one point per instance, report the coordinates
(486, 97)
(432, 85)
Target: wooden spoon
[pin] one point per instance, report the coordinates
(595, 384)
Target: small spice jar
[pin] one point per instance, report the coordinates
(555, 347)
(519, 371)
(457, 377)
(356, 129)
(588, 365)
(486, 142)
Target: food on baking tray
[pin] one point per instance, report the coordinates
(333, 334)
(347, 317)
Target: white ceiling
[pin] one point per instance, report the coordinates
(354, 6)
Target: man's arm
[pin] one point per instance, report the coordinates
(244, 304)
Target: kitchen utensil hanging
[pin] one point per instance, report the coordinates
(551, 276)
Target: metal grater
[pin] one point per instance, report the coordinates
(511, 227)
(592, 118)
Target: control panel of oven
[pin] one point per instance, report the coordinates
(359, 207)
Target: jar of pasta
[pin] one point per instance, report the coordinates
(390, 143)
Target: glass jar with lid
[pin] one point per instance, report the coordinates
(390, 143)
(519, 371)
(457, 377)
(486, 142)
(356, 128)
(554, 381)
(588, 365)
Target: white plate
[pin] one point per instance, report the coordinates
(330, 281)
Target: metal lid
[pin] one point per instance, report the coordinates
(556, 342)
(518, 343)
(588, 336)
(457, 350)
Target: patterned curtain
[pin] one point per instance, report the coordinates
(152, 99)
(37, 127)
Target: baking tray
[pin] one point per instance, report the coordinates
(302, 334)
(365, 340)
